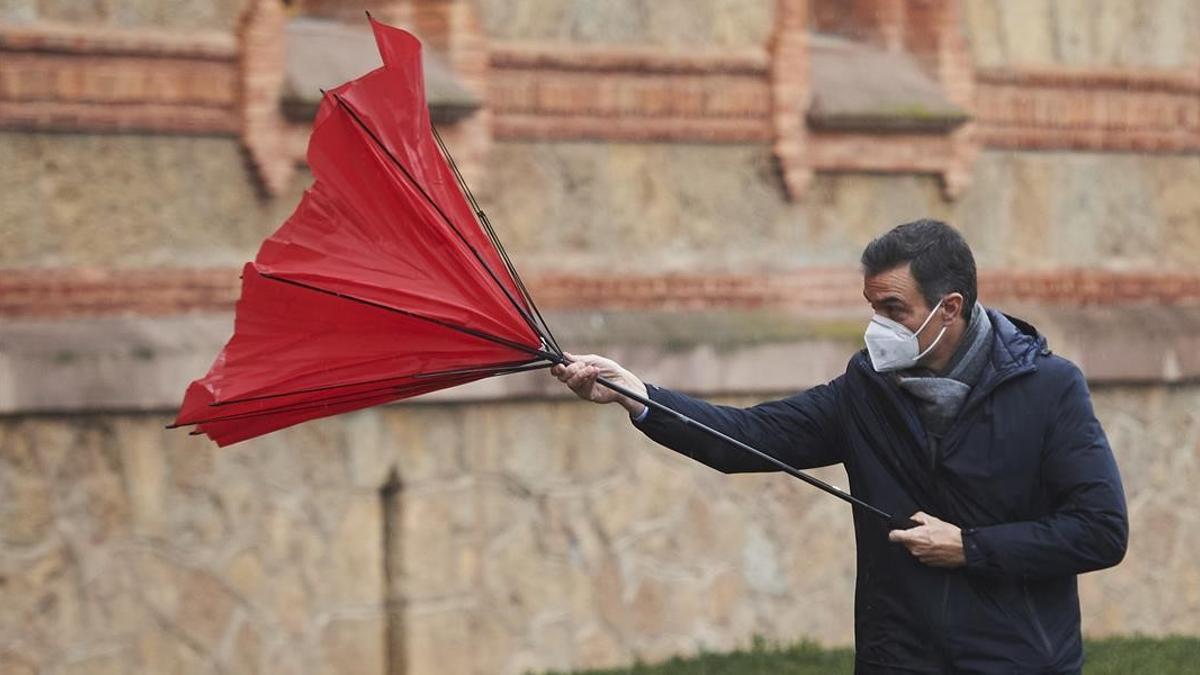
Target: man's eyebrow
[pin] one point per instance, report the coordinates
(891, 300)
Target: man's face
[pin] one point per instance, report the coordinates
(894, 293)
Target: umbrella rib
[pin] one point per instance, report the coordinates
(378, 380)
(300, 406)
(437, 207)
(352, 397)
(495, 339)
(508, 370)
(486, 223)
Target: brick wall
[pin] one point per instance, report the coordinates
(138, 80)
(1089, 109)
(546, 92)
(70, 293)
(73, 78)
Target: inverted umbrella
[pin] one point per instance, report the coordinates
(386, 282)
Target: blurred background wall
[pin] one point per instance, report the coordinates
(687, 185)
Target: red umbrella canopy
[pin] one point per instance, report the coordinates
(382, 284)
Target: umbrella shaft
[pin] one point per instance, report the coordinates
(893, 522)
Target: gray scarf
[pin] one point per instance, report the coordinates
(940, 398)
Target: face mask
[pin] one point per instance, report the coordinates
(894, 347)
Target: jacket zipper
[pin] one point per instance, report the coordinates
(945, 618)
(1037, 622)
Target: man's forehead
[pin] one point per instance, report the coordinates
(895, 282)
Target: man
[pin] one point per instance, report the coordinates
(961, 416)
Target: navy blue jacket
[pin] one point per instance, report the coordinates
(1025, 471)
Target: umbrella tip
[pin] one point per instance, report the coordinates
(368, 13)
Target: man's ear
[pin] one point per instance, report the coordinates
(952, 306)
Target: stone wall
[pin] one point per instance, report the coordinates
(187, 16)
(667, 23)
(123, 200)
(629, 207)
(1093, 33)
(1088, 33)
(492, 538)
(658, 207)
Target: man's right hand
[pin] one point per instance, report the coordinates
(580, 375)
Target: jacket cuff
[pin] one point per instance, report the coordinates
(640, 418)
(975, 552)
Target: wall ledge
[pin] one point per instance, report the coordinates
(110, 364)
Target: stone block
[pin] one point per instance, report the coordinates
(44, 603)
(355, 645)
(145, 475)
(246, 652)
(502, 504)
(439, 566)
(310, 455)
(198, 520)
(193, 602)
(654, 487)
(528, 447)
(550, 642)
(244, 573)
(648, 611)
(161, 651)
(427, 442)
(110, 604)
(439, 642)
(597, 647)
(288, 537)
(113, 663)
(355, 573)
(724, 595)
(26, 514)
(191, 461)
(16, 664)
(598, 448)
(288, 600)
(372, 456)
(205, 609)
(610, 590)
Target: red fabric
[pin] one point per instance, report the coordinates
(358, 299)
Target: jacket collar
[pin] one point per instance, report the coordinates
(1016, 344)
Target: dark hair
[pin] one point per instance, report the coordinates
(939, 259)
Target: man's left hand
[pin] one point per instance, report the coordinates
(935, 542)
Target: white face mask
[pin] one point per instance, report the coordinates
(894, 347)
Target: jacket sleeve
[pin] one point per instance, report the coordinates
(800, 430)
(1087, 528)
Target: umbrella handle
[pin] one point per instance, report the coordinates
(902, 523)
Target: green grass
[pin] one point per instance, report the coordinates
(1111, 656)
(1142, 655)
